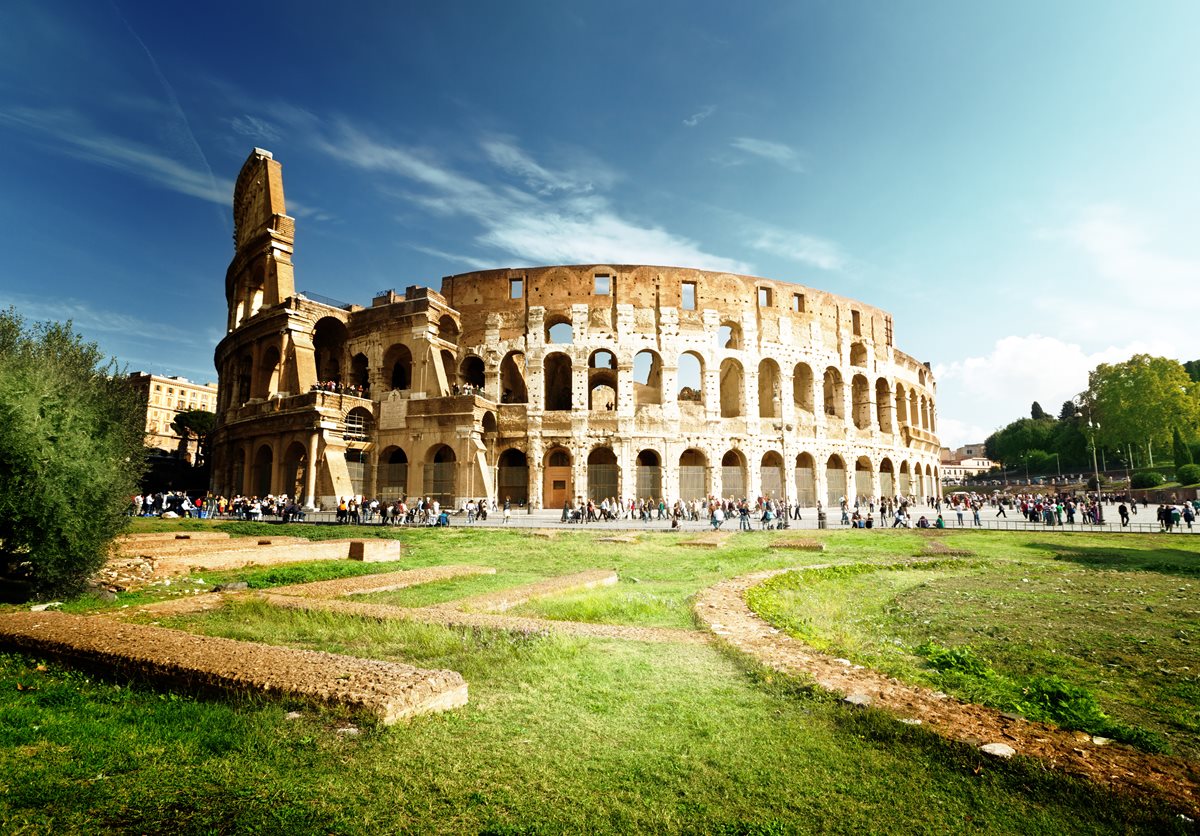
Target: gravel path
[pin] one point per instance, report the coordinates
(723, 610)
(385, 582)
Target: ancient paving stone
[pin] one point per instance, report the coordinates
(387, 690)
(799, 545)
(998, 750)
(384, 582)
(708, 540)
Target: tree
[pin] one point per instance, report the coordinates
(1142, 400)
(1068, 411)
(1036, 412)
(197, 422)
(1183, 456)
(1192, 367)
(71, 433)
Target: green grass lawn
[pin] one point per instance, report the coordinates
(568, 734)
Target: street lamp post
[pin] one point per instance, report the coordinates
(1058, 461)
(784, 429)
(1092, 428)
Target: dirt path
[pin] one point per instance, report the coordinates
(723, 610)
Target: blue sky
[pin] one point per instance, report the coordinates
(1017, 182)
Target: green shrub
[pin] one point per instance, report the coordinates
(1189, 474)
(1147, 479)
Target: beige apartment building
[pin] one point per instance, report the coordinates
(166, 397)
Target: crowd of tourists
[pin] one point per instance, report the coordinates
(336, 387)
(169, 502)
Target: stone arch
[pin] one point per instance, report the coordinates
(883, 406)
(266, 376)
(471, 371)
(771, 475)
(729, 335)
(329, 348)
(733, 474)
(264, 463)
(858, 354)
(295, 465)
(769, 391)
(448, 329)
(449, 368)
(914, 408)
(603, 474)
(440, 472)
(924, 413)
(360, 372)
(863, 472)
(512, 378)
(806, 480)
(835, 482)
(359, 424)
(392, 479)
(887, 479)
(556, 382)
(691, 378)
(397, 365)
(512, 476)
(559, 329)
(648, 475)
(921, 376)
(802, 388)
(693, 475)
(901, 405)
(860, 393)
(558, 481)
(834, 401)
(733, 402)
(906, 486)
(647, 377)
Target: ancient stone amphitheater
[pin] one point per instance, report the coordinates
(545, 384)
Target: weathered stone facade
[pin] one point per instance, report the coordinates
(545, 384)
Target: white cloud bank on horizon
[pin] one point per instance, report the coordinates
(979, 395)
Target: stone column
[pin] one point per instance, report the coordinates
(310, 473)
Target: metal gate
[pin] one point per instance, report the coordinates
(512, 483)
(772, 481)
(649, 482)
(602, 481)
(693, 483)
(439, 482)
(806, 487)
(733, 482)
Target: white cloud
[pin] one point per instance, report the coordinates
(473, 263)
(775, 152)
(700, 115)
(558, 220)
(255, 128)
(983, 393)
(805, 249)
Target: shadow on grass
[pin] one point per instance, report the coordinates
(1166, 561)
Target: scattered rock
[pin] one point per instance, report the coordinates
(1101, 741)
(232, 586)
(998, 750)
(860, 700)
(349, 731)
(910, 721)
(292, 715)
(44, 607)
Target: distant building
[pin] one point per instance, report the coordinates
(968, 460)
(166, 397)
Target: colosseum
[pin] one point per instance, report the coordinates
(545, 384)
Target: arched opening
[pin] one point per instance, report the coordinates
(267, 382)
(557, 483)
(356, 463)
(914, 409)
(691, 381)
(359, 425)
(858, 354)
(649, 475)
(693, 475)
(802, 388)
(834, 394)
(392, 479)
(901, 405)
(771, 474)
(264, 461)
(449, 368)
(397, 364)
(470, 372)
(512, 477)
(733, 475)
(920, 483)
(647, 378)
(557, 380)
(245, 374)
(769, 395)
(559, 330)
(359, 373)
(862, 477)
(887, 479)
(924, 413)
(921, 376)
(329, 348)
(295, 463)
(512, 378)
(602, 381)
(448, 329)
(602, 474)
(906, 487)
(806, 480)
(835, 482)
(236, 474)
(860, 394)
(883, 406)
(732, 400)
(440, 468)
(729, 335)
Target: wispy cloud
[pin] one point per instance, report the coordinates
(775, 152)
(90, 320)
(805, 249)
(700, 115)
(255, 128)
(470, 261)
(79, 138)
(555, 217)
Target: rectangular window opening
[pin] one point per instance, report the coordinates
(516, 288)
(798, 302)
(603, 284)
(688, 296)
(856, 318)
(764, 297)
